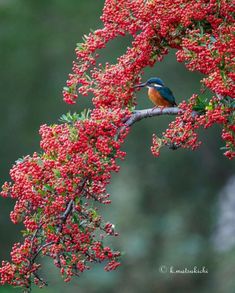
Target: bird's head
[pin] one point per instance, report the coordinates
(152, 82)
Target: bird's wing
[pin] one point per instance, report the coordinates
(167, 94)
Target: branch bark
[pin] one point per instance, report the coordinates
(146, 113)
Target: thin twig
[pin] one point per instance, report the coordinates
(44, 283)
(66, 213)
(40, 249)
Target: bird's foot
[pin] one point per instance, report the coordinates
(158, 107)
(155, 107)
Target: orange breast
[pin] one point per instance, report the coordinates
(157, 99)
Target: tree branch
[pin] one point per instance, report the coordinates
(141, 114)
(136, 116)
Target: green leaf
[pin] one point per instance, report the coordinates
(223, 75)
(40, 162)
(209, 107)
(42, 192)
(85, 114)
(67, 89)
(39, 210)
(20, 160)
(224, 148)
(75, 219)
(212, 39)
(202, 103)
(57, 173)
(51, 228)
(78, 200)
(80, 46)
(72, 118)
(25, 233)
(228, 102)
(48, 187)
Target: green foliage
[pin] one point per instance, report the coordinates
(202, 104)
(20, 160)
(229, 102)
(72, 118)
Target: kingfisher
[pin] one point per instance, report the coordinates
(158, 93)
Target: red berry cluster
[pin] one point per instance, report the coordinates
(182, 132)
(202, 31)
(55, 190)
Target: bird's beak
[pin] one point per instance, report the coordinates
(140, 85)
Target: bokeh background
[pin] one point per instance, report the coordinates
(177, 210)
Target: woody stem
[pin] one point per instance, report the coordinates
(141, 114)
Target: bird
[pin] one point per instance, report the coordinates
(158, 93)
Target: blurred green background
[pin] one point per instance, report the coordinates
(170, 211)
